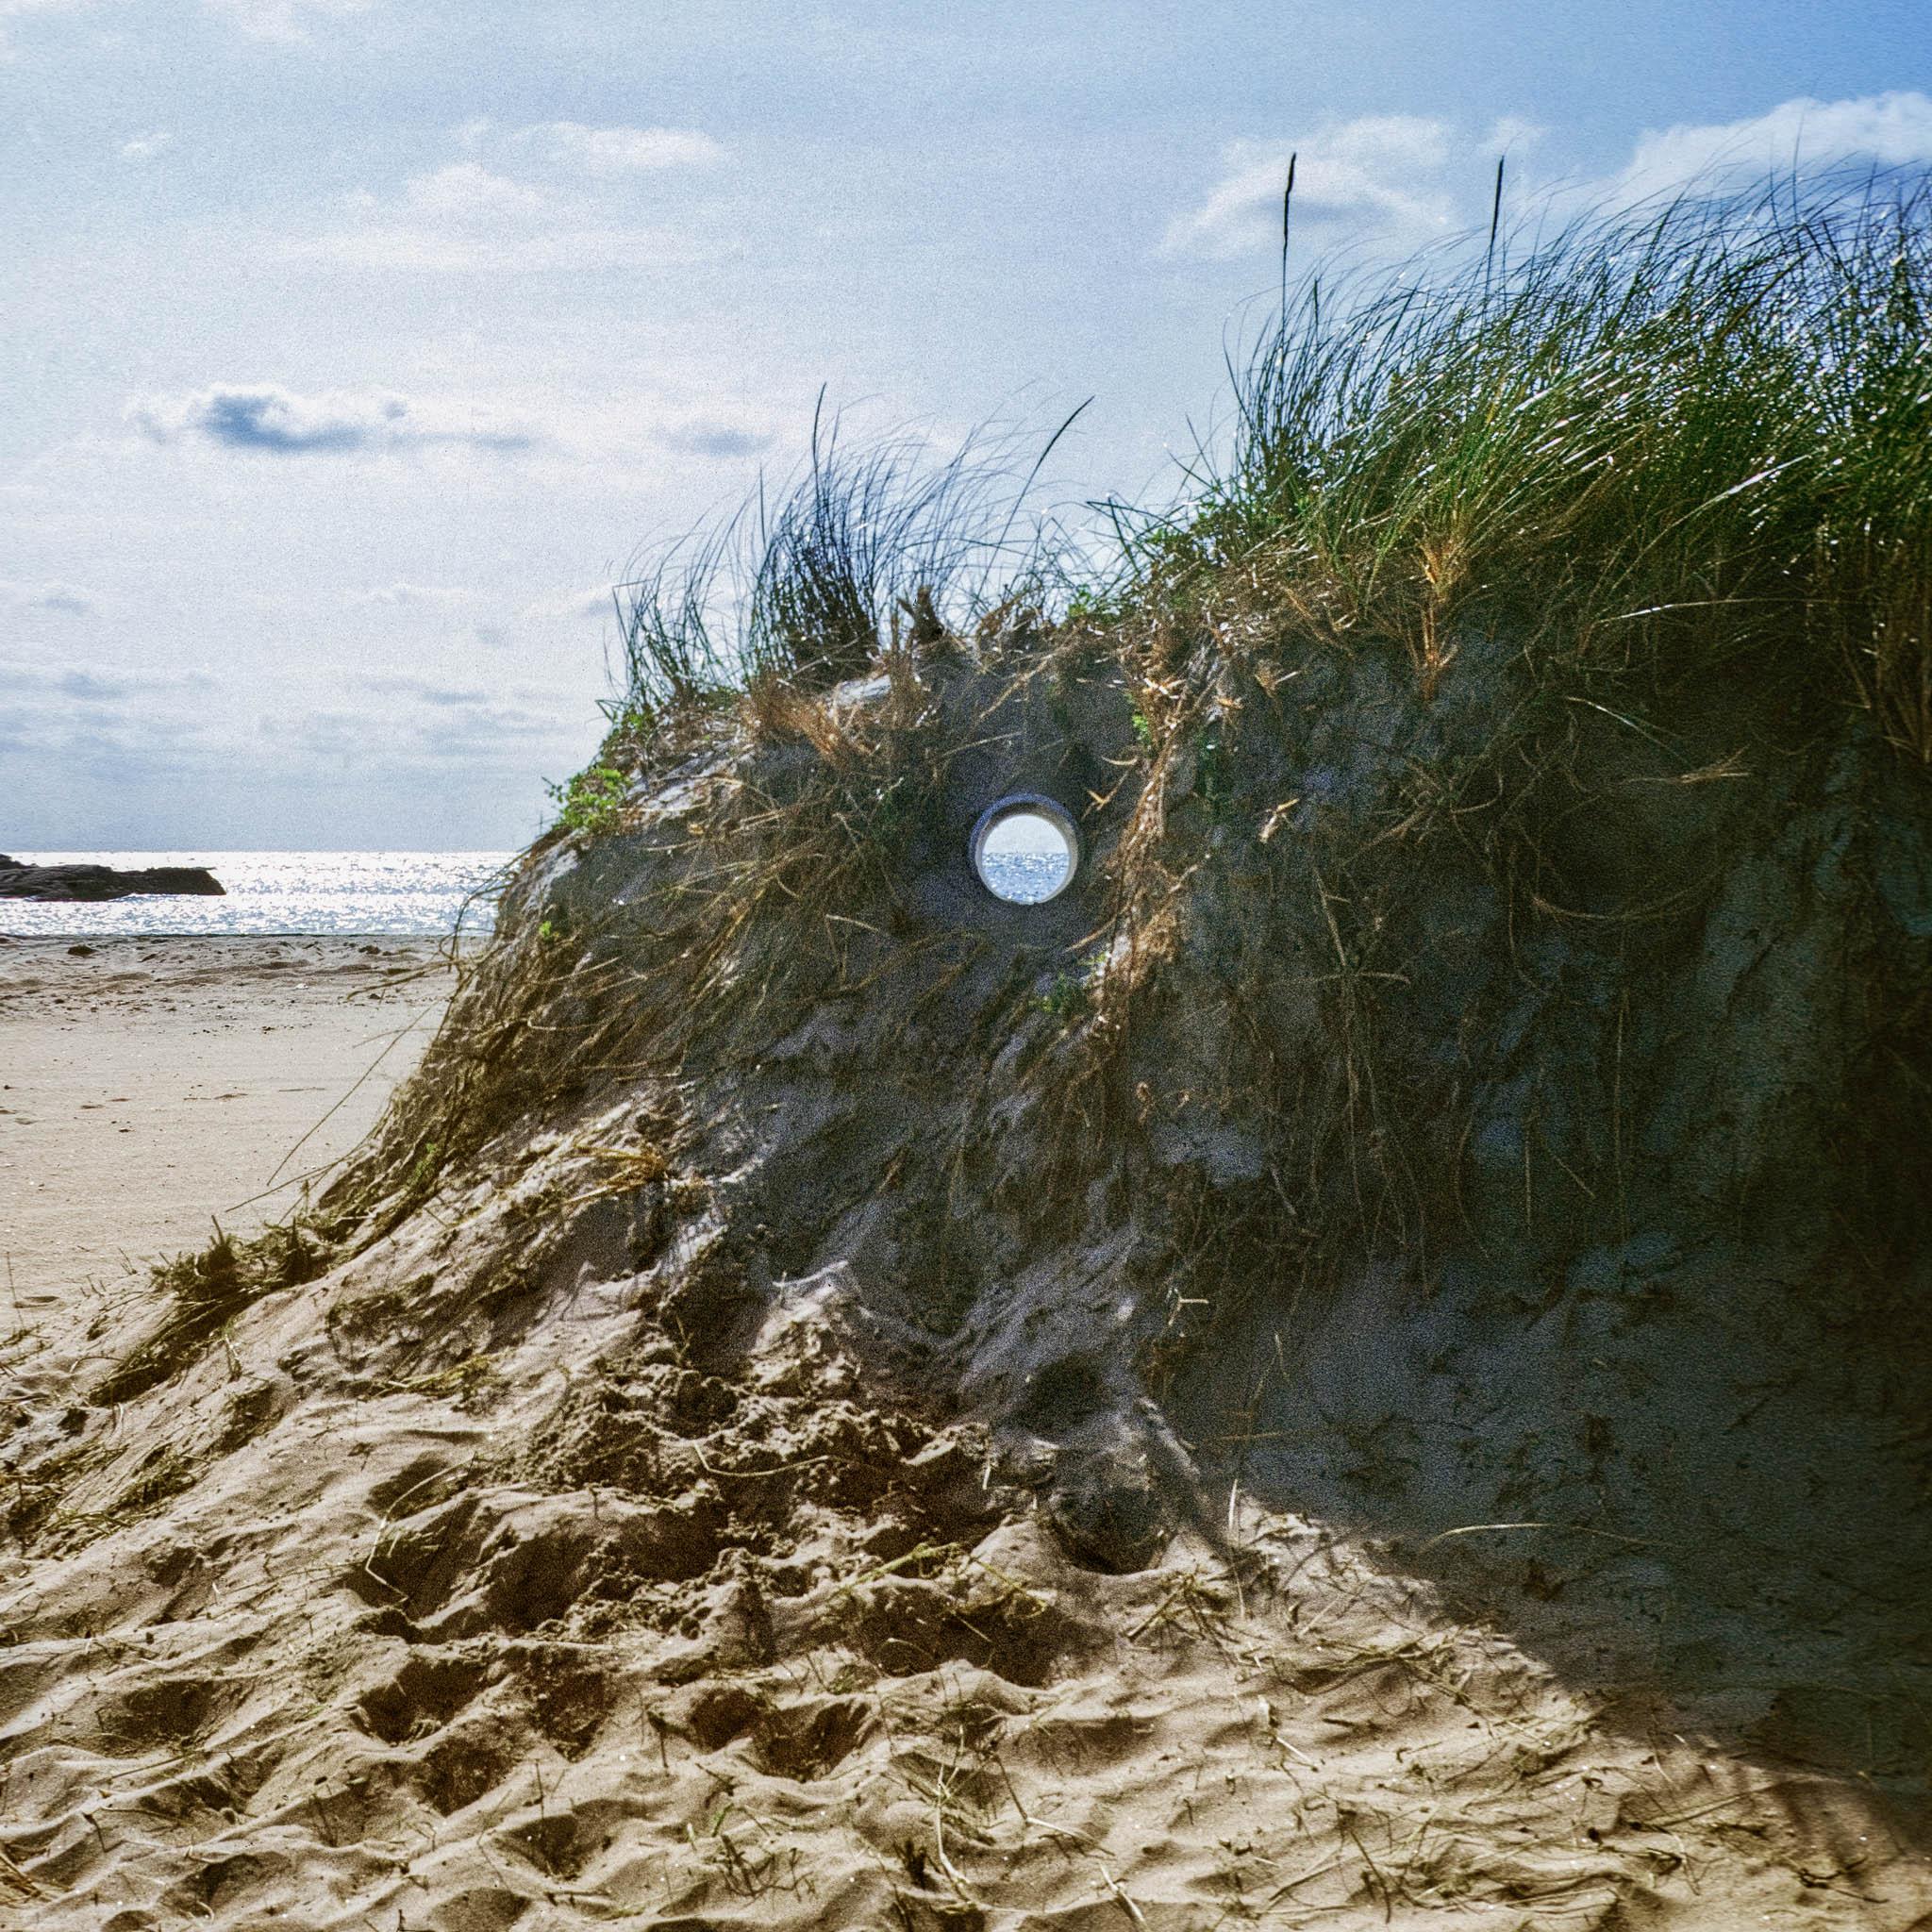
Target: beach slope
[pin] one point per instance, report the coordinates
(150, 1085)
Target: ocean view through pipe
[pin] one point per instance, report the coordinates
(1026, 849)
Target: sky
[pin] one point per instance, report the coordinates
(352, 348)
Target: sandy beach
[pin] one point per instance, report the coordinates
(732, 1465)
(148, 1084)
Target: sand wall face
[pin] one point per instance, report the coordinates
(1392, 1306)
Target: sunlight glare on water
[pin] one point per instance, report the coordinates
(1025, 858)
(415, 892)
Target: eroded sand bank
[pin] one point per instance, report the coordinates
(723, 1457)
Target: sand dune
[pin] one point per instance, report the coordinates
(587, 1528)
(542, 1605)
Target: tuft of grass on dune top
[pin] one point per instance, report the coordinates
(812, 588)
(1697, 433)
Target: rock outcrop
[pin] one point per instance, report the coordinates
(55, 883)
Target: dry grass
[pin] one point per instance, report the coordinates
(207, 1292)
(1616, 535)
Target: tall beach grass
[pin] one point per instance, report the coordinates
(811, 588)
(1694, 432)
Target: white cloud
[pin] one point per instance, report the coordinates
(622, 150)
(594, 602)
(1383, 177)
(287, 21)
(1889, 129)
(468, 192)
(269, 420)
(467, 219)
(1514, 136)
(63, 598)
(1388, 184)
(409, 596)
(144, 148)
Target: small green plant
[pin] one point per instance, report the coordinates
(592, 803)
(1071, 991)
(1094, 603)
(1143, 731)
(1214, 773)
(1065, 999)
(422, 1181)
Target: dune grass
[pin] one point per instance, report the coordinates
(1689, 434)
(868, 541)
(1696, 433)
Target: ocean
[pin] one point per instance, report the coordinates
(415, 892)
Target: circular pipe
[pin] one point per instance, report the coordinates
(1033, 805)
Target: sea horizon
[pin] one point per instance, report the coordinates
(270, 891)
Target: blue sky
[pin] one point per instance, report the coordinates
(355, 344)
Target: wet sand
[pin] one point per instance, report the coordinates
(148, 1084)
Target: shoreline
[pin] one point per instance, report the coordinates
(273, 893)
